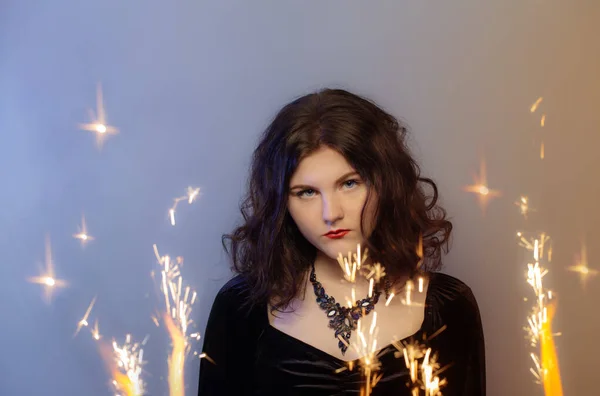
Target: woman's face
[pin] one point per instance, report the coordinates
(327, 194)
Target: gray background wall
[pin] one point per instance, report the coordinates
(191, 85)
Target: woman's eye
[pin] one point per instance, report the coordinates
(305, 193)
(350, 183)
(309, 192)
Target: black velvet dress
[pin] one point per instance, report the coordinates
(254, 358)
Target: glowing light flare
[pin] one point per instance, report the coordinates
(98, 123)
(95, 331)
(82, 234)
(581, 267)
(484, 193)
(48, 277)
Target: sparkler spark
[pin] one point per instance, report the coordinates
(481, 189)
(533, 109)
(539, 330)
(542, 151)
(365, 343)
(409, 288)
(125, 363)
(176, 360)
(365, 346)
(83, 235)
(192, 194)
(178, 308)
(84, 320)
(581, 267)
(48, 278)
(551, 378)
(95, 331)
(524, 208)
(98, 124)
(419, 251)
(423, 366)
(535, 105)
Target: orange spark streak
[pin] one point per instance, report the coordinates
(176, 361)
(551, 379)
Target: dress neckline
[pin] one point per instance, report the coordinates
(343, 362)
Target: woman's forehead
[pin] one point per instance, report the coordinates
(324, 165)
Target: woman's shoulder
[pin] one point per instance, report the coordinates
(234, 292)
(445, 290)
(233, 298)
(451, 302)
(236, 285)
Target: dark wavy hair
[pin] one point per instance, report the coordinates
(268, 249)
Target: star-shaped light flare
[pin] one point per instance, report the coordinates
(98, 124)
(83, 235)
(481, 189)
(48, 278)
(581, 267)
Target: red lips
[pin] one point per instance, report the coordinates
(337, 233)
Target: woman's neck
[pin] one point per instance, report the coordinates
(331, 275)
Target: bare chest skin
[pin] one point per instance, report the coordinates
(309, 323)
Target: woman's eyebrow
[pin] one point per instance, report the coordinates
(340, 179)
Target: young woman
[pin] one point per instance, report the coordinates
(331, 172)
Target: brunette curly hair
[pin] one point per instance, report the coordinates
(268, 249)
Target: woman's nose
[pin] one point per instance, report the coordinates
(332, 210)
